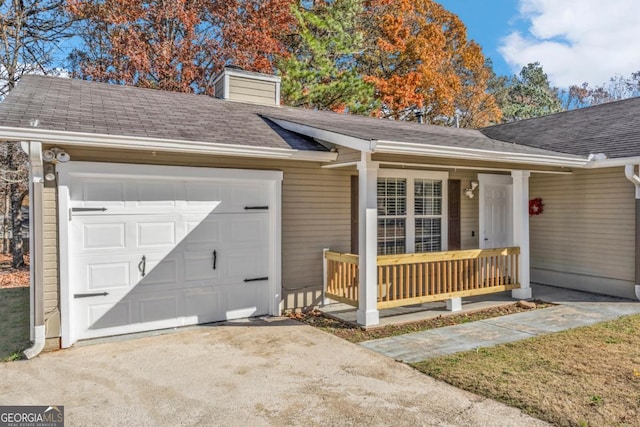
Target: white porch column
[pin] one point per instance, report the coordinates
(521, 230)
(368, 241)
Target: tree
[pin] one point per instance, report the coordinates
(176, 45)
(527, 95)
(15, 174)
(320, 73)
(618, 87)
(30, 31)
(420, 61)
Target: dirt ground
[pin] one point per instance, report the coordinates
(12, 277)
(263, 372)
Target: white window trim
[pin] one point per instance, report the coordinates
(410, 225)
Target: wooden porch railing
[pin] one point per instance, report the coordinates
(416, 278)
(341, 277)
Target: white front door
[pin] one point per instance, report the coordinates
(496, 218)
(150, 252)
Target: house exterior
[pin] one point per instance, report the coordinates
(152, 209)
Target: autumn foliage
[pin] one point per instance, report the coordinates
(177, 45)
(420, 60)
(390, 58)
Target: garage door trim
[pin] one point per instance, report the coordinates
(72, 170)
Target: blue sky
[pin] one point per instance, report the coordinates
(576, 41)
(487, 23)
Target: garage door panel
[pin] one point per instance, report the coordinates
(155, 194)
(245, 300)
(156, 233)
(198, 266)
(100, 316)
(158, 308)
(100, 193)
(176, 226)
(203, 303)
(160, 271)
(207, 232)
(250, 229)
(108, 276)
(243, 195)
(103, 235)
(203, 194)
(239, 264)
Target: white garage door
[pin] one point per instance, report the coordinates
(165, 247)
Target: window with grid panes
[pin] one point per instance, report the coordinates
(392, 216)
(410, 215)
(428, 215)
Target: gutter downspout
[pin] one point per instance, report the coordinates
(630, 173)
(37, 262)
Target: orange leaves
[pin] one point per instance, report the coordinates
(420, 59)
(178, 45)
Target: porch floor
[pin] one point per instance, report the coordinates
(418, 312)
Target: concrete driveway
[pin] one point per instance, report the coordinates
(262, 372)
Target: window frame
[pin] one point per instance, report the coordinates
(410, 218)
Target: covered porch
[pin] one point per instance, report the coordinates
(403, 253)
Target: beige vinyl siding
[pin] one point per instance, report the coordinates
(250, 90)
(50, 259)
(587, 229)
(315, 213)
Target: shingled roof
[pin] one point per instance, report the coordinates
(83, 107)
(612, 129)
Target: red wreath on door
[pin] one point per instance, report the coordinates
(535, 206)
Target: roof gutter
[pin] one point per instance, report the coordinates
(37, 261)
(395, 147)
(630, 173)
(610, 163)
(55, 137)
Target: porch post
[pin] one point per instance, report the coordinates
(521, 230)
(367, 314)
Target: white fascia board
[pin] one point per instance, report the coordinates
(396, 147)
(354, 143)
(611, 163)
(157, 144)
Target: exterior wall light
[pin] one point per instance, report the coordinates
(469, 191)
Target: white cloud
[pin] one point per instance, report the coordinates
(577, 40)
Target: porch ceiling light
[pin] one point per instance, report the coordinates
(469, 191)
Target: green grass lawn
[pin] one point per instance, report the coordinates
(587, 376)
(14, 322)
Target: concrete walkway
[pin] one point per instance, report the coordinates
(575, 309)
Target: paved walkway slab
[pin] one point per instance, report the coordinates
(573, 312)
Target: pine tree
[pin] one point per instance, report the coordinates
(320, 73)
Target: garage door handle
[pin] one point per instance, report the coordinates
(142, 265)
(215, 258)
(257, 279)
(255, 208)
(96, 294)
